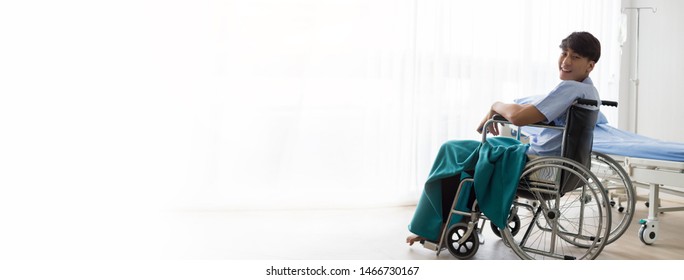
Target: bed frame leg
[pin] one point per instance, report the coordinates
(653, 202)
(648, 232)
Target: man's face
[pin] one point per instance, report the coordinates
(572, 66)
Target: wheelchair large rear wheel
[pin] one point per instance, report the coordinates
(557, 225)
(621, 193)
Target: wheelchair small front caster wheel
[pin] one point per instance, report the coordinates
(461, 246)
(513, 226)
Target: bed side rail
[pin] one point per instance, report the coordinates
(593, 102)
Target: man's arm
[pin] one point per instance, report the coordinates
(517, 114)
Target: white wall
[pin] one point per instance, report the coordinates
(661, 73)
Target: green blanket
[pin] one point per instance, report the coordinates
(495, 166)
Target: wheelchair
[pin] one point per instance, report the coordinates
(561, 210)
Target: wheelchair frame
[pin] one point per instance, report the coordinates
(545, 204)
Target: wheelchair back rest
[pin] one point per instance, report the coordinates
(578, 138)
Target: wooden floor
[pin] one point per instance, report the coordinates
(325, 234)
(226, 244)
(365, 234)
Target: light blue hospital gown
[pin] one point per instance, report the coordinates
(547, 142)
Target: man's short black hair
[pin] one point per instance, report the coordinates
(584, 44)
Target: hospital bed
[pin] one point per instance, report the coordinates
(650, 163)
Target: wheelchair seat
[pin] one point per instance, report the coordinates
(577, 141)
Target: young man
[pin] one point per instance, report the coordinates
(580, 52)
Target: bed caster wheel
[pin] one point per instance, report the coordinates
(648, 232)
(513, 226)
(459, 245)
(612, 203)
(648, 204)
(621, 209)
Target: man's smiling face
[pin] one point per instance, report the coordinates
(572, 66)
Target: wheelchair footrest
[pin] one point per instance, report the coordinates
(431, 245)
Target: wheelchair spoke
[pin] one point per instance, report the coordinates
(568, 226)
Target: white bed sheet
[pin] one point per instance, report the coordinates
(613, 141)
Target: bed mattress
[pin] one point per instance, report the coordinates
(610, 140)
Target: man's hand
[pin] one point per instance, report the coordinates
(517, 114)
(493, 128)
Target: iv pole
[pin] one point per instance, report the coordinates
(635, 80)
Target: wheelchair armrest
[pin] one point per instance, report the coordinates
(593, 102)
(501, 119)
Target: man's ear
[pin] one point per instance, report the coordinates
(591, 66)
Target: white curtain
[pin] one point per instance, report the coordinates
(338, 103)
(264, 103)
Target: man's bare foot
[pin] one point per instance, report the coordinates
(413, 238)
